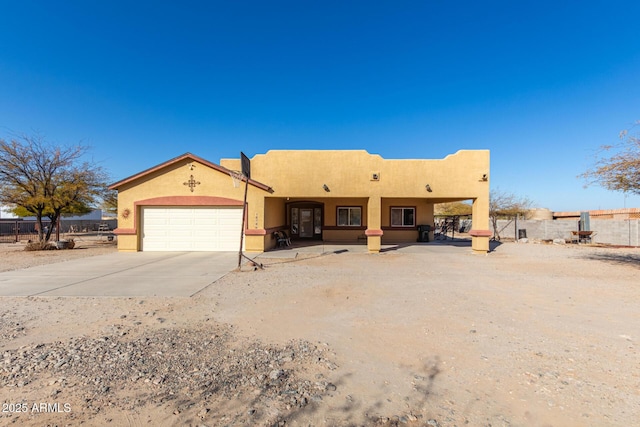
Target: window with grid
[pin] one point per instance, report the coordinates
(349, 216)
(403, 217)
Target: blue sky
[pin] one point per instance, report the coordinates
(540, 84)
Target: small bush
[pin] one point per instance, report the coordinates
(40, 246)
(49, 246)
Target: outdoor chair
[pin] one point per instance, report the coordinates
(281, 239)
(287, 239)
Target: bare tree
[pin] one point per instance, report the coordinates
(619, 171)
(503, 204)
(45, 180)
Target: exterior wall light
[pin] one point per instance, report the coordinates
(428, 187)
(326, 187)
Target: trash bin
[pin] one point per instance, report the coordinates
(423, 233)
(522, 233)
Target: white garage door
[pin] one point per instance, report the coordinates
(191, 228)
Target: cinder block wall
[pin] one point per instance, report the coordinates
(614, 232)
(617, 232)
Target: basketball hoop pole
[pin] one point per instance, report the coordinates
(244, 212)
(246, 175)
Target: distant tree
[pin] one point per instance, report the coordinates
(452, 209)
(44, 180)
(621, 170)
(110, 202)
(505, 205)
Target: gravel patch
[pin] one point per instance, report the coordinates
(14, 257)
(196, 368)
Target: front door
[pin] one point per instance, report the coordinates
(306, 222)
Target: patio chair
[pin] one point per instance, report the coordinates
(281, 240)
(287, 239)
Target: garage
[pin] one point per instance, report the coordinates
(191, 228)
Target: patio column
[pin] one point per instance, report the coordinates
(374, 229)
(480, 233)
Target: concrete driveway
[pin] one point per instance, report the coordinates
(122, 274)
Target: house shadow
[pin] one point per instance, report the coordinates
(461, 242)
(624, 258)
(339, 247)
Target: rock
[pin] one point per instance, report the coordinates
(276, 374)
(559, 241)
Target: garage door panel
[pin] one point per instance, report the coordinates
(181, 221)
(191, 229)
(206, 222)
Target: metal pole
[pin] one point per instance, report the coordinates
(244, 211)
(453, 228)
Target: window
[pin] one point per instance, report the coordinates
(403, 217)
(349, 216)
(317, 220)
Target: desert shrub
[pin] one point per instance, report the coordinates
(40, 246)
(48, 246)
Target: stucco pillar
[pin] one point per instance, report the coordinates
(374, 229)
(480, 233)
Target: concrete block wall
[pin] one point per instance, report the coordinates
(614, 232)
(617, 232)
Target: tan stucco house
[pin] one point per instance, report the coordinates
(191, 204)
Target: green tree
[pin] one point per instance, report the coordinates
(617, 167)
(45, 180)
(110, 202)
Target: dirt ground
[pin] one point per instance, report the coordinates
(529, 335)
(14, 257)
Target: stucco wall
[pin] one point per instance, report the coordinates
(337, 175)
(331, 208)
(274, 212)
(214, 188)
(348, 174)
(335, 178)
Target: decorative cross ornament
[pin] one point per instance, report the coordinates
(191, 183)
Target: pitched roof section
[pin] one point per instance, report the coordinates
(219, 168)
